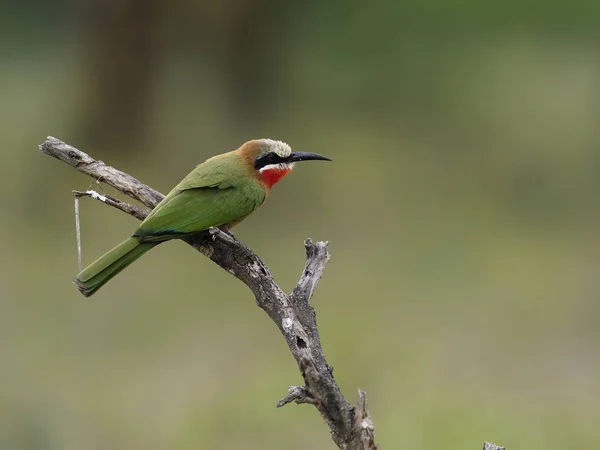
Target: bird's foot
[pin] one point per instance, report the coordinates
(227, 231)
(223, 232)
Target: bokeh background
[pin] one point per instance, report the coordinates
(461, 208)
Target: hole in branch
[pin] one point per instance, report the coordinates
(300, 342)
(73, 155)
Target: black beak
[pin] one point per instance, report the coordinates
(304, 156)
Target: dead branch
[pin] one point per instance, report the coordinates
(351, 426)
(490, 446)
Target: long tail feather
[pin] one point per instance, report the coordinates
(111, 263)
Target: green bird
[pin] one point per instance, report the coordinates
(220, 192)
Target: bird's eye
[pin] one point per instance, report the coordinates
(271, 158)
(266, 160)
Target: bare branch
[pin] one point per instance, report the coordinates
(490, 446)
(317, 258)
(121, 181)
(132, 210)
(298, 394)
(364, 421)
(351, 426)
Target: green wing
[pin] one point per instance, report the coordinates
(210, 196)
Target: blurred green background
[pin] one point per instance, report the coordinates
(461, 208)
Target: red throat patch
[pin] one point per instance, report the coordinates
(272, 176)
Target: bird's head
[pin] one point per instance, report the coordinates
(273, 160)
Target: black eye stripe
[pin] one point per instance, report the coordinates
(265, 160)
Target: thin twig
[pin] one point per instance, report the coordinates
(350, 426)
(78, 232)
(132, 210)
(297, 394)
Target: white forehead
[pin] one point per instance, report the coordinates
(279, 147)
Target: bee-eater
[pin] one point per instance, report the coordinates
(220, 192)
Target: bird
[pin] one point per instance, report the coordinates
(220, 192)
